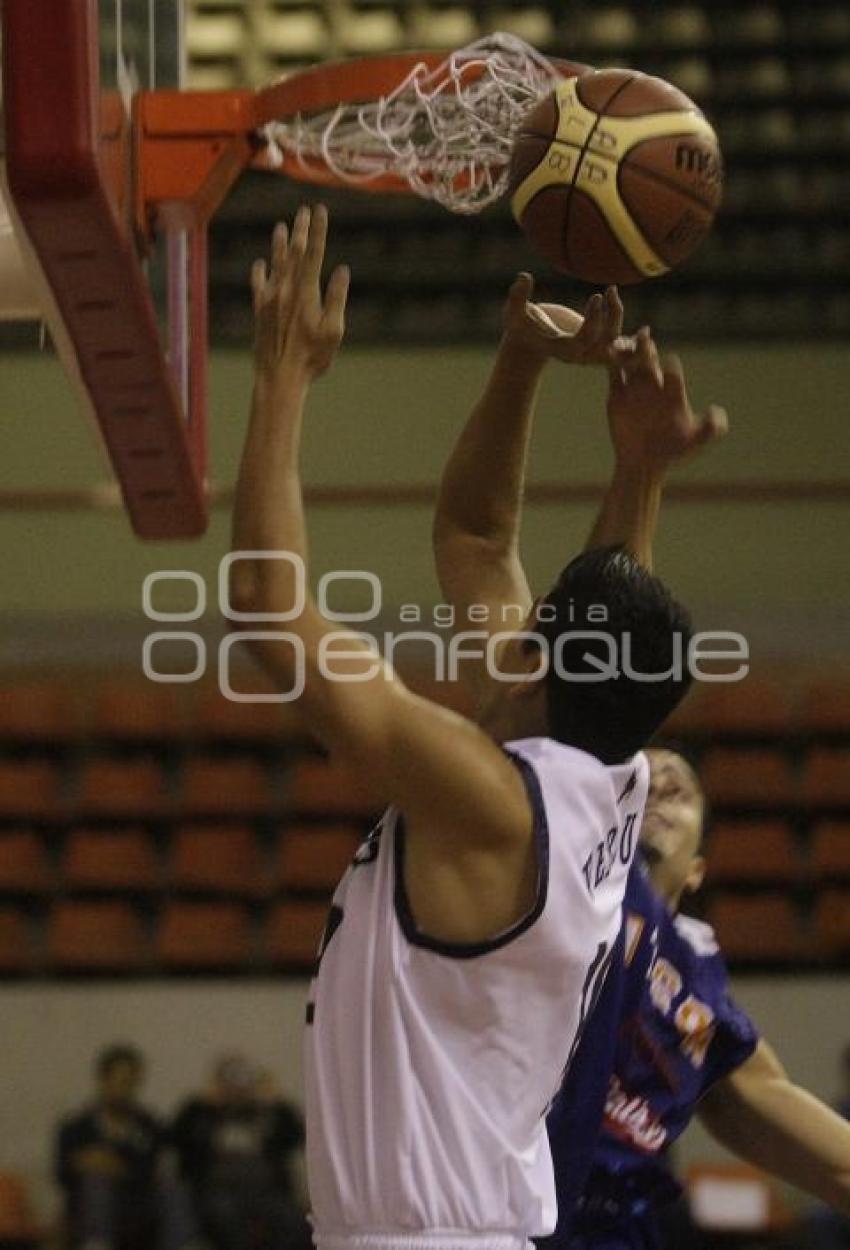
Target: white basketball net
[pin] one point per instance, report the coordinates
(448, 131)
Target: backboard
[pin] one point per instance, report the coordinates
(128, 314)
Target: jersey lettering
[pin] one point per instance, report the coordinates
(599, 865)
(695, 1021)
(665, 983)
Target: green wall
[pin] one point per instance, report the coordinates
(384, 417)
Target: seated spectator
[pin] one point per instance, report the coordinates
(108, 1162)
(106, 1158)
(239, 1147)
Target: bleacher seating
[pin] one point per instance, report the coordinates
(96, 937)
(758, 929)
(774, 79)
(25, 867)
(314, 857)
(17, 943)
(205, 937)
(754, 853)
(121, 787)
(110, 861)
(223, 860)
(18, 1225)
(293, 933)
(145, 829)
(28, 789)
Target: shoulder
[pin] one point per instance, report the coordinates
(193, 1109)
(697, 935)
(577, 770)
(77, 1123)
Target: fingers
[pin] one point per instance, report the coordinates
(333, 318)
(300, 230)
(714, 425)
(614, 313)
(259, 279)
(522, 289)
(592, 335)
(674, 379)
(317, 237)
(280, 247)
(645, 357)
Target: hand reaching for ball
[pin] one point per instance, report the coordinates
(651, 421)
(552, 331)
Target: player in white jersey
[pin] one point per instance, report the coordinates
(474, 928)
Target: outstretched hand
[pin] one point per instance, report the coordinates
(553, 331)
(296, 331)
(649, 412)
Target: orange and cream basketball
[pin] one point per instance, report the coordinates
(616, 176)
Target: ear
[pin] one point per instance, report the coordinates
(529, 662)
(696, 874)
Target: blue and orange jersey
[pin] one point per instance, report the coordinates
(665, 1030)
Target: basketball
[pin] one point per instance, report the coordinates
(615, 177)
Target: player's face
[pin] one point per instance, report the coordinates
(672, 826)
(120, 1085)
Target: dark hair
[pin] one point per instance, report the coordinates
(119, 1052)
(616, 716)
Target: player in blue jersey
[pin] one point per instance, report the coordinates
(681, 1041)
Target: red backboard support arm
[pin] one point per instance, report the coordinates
(68, 171)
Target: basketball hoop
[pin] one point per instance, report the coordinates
(444, 130)
(155, 165)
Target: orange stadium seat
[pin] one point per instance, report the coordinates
(138, 711)
(831, 850)
(757, 706)
(760, 778)
(735, 1198)
(217, 859)
(762, 928)
(826, 777)
(204, 936)
(759, 851)
(37, 712)
(25, 866)
(314, 857)
(319, 788)
(96, 937)
(832, 923)
(17, 950)
(28, 788)
(293, 933)
(220, 718)
(110, 859)
(213, 787)
(17, 1223)
(122, 788)
(825, 705)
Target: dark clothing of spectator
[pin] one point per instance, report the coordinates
(235, 1157)
(118, 1209)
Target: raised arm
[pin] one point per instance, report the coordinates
(761, 1115)
(438, 767)
(652, 427)
(479, 508)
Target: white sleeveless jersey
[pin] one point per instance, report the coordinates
(429, 1066)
